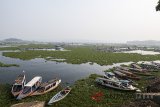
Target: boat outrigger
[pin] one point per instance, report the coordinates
(120, 85)
(18, 85)
(47, 87)
(59, 96)
(30, 87)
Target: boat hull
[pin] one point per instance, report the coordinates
(57, 98)
(109, 86)
(21, 96)
(37, 93)
(15, 94)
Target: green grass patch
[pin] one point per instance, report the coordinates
(8, 48)
(80, 55)
(29, 46)
(8, 65)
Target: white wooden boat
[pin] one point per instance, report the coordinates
(120, 85)
(110, 75)
(59, 96)
(47, 87)
(30, 87)
(18, 85)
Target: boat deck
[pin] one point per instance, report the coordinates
(19, 79)
(47, 83)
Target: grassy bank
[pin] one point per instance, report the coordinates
(80, 96)
(8, 48)
(8, 65)
(82, 55)
(29, 46)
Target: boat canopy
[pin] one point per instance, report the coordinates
(34, 81)
(20, 79)
(110, 73)
(48, 83)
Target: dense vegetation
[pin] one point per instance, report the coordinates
(29, 46)
(81, 95)
(36, 46)
(8, 48)
(7, 65)
(80, 55)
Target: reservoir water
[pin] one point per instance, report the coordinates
(69, 73)
(142, 52)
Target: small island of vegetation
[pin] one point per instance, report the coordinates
(82, 54)
(8, 65)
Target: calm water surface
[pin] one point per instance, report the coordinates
(142, 52)
(69, 73)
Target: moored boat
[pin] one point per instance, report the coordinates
(140, 72)
(135, 70)
(110, 75)
(60, 95)
(129, 75)
(47, 87)
(119, 74)
(30, 87)
(120, 85)
(134, 65)
(18, 85)
(123, 68)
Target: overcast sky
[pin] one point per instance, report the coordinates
(80, 20)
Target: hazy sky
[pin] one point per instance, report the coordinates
(80, 20)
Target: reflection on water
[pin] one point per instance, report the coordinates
(142, 52)
(69, 73)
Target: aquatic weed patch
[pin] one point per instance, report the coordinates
(8, 65)
(81, 55)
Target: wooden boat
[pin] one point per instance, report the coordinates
(129, 74)
(119, 74)
(59, 96)
(134, 65)
(18, 85)
(136, 70)
(30, 87)
(47, 87)
(123, 68)
(150, 66)
(140, 72)
(156, 63)
(143, 73)
(120, 85)
(110, 75)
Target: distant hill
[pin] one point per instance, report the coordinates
(12, 40)
(17, 41)
(144, 43)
